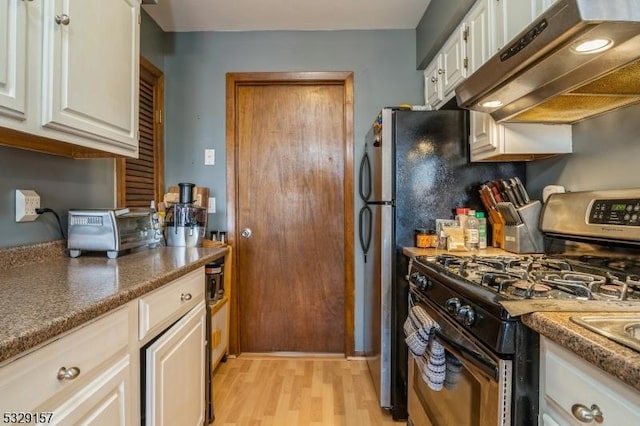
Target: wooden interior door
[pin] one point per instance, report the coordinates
(291, 215)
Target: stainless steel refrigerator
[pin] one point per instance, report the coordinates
(415, 169)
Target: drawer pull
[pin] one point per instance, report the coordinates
(185, 297)
(68, 373)
(587, 415)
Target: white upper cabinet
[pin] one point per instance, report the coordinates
(478, 41)
(446, 70)
(13, 61)
(511, 18)
(90, 69)
(432, 83)
(69, 76)
(490, 141)
(454, 61)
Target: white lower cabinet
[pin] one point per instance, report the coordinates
(93, 375)
(490, 141)
(81, 378)
(103, 401)
(175, 373)
(574, 392)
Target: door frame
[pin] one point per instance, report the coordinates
(233, 82)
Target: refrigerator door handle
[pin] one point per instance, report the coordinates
(364, 177)
(364, 227)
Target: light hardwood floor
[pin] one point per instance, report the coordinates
(293, 391)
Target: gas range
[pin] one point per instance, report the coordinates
(519, 277)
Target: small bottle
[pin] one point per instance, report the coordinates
(471, 238)
(461, 216)
(482, 230)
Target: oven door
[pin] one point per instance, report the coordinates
(481, 395)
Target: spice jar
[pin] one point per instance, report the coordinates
(433, 238)
(423, 239)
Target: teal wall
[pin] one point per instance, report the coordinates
(196, 65)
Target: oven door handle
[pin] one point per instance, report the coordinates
(483, 363)
(456, 342)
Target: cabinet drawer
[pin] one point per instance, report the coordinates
(161, 307)
(31, 380)
(569, 380)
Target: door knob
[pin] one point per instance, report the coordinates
(246, 233)
(62, 19)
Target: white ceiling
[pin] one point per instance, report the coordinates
(256, 15)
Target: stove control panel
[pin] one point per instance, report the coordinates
(624, 212)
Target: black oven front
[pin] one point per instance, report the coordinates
(488, 387)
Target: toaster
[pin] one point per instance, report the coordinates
(111, 230)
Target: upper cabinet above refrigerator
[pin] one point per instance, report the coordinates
(72, 89)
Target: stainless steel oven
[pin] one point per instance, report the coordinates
(591, 263)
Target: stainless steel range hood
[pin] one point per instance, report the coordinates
(541, 77)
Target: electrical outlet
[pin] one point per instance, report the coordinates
(212, 205)
(209, 157)
(27, 201)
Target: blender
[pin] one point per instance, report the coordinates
(185, 222)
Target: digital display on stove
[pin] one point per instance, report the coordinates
(615, 212)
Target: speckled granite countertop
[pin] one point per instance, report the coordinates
(44, 296)
(615, 359)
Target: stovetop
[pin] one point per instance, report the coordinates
(518, 277)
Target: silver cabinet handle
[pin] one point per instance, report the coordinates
(62, 19)
(185, 297)
(433, 79)
(246, 233)
(68, 373)
(587, 415)
(440, 71)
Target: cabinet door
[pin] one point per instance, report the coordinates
(13, 58)
(175, 373)
(478, 42)
(90, 69)
(432, 83)
(512, 17)
(453, 61)
(484, 135)
(106, 400)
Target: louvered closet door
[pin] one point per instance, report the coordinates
(140, 180)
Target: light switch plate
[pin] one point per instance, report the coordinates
(212, 205)
(209, 157)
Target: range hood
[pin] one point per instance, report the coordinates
(543, 76)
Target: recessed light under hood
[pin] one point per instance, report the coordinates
(544, 75)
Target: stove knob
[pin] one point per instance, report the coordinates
(466, 315)
(453, 305)
(420, 280)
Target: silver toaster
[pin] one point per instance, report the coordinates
(111, 230)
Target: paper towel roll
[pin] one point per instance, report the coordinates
(551, 189)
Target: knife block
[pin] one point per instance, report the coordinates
(525, 237)
(497, 229)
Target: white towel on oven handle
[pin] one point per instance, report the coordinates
(439, 368)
